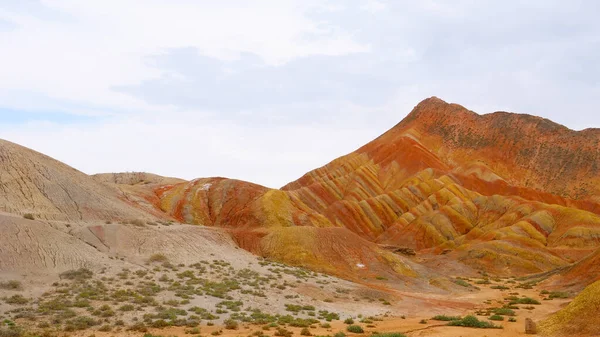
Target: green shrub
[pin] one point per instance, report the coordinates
(499, 287)
(462, 283)
(105, 328)
(525, 300)
(78, 274)
(157, 258)
(305, 332)
(139, 326)
(339, 334)
(473, 322)
(446, 318)
(281, 332)
(512, 319)
(11, 285)
(17, 299)
(82, 323)
(388, 334)
(349, 320)
(504, 312)
(127, 307)
(355, 329)
(558, 294)
(231, 324)
(496, 318)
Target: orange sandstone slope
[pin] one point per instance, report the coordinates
(504, 193)
(499, 153)
(483, 187)
(269, 223)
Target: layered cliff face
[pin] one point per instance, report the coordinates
(274, 224)
(506, 193)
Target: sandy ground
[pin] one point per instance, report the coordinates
(411, 326)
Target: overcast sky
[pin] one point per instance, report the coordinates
(267, 90)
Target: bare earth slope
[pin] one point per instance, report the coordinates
(579, 318)
(31, 182)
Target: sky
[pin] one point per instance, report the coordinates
(267, 90)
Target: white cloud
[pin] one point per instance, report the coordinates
(106, 43)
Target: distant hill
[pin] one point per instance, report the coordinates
(31, 182)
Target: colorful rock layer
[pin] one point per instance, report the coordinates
(506, 193)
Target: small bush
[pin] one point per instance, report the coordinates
(79, 274)
(504, 312)
(339, 334)
(423, 321)
(446, 318)
(28, 216)
(158, 258)
(139, 326)
(496, 318)
(349, 321)
(17, 299)
(231, 324)
(558, 294)
(105, 328)
(81, 323)
(281, 332)
(11, 285)
(388, 334)
(355, 329)
(525, 300)
(473, 322)
(512, 319)
(305, 332)
(499, 287)
(462, 283)
(127, 307)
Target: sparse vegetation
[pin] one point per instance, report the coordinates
(473, 322)
(446, 318)
(462, 283)
(157, 258)
(78, 274)
(231, 324)
(388, 334)
(504, 312)
(28, 216)
(355, 329)
(558, 294)
(11, 285)
(524, 300)
(17, 299)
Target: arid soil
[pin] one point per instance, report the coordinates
(418, 321)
